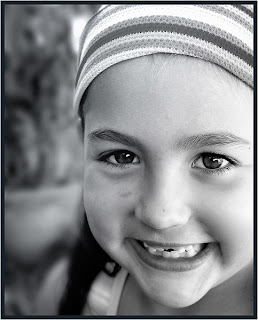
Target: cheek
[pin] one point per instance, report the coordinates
(108, 204)
(228, 214)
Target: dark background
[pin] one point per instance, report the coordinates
(42, 148)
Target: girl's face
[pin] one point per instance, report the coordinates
(168, 174)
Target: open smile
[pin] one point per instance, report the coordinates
(174, 257)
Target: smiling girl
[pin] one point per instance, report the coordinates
(165, 98)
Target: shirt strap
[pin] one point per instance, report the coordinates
(105, 294)
(117, 291)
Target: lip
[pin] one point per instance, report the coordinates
(168, 264)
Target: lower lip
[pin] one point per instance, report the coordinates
(170, 264)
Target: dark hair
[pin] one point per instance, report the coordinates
(87, 260)
(81, 109)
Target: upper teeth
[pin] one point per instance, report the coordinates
(174, 252)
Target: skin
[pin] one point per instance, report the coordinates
(166, 194)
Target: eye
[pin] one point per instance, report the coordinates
(211, 162)
(120, 158)
(123, 157)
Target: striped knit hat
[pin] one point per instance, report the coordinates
(219, 33)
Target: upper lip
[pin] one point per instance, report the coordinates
(167, 244)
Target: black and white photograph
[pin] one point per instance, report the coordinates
(129, 156)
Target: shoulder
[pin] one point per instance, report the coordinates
(52, 288)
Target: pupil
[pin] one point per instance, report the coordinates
(211, 162)
(124, 157)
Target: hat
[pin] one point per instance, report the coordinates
(218, 33)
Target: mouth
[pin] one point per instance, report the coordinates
(173, 251)
(173, 257)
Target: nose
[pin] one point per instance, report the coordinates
(164, 201)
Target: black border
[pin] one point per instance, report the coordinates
(2, 159)
(3, 4)
(48, 2)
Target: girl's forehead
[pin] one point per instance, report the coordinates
(158, 73)
(153, 93)
(158, 67)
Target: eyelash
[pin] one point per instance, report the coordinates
(232, 163)
(103, 159)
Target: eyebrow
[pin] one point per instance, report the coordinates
(114, 136)
(211, 139)
(186, 143)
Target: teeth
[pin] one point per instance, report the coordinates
(184, 251)
(174, 254)
(166, 254)
(151, 250)
(188, 248)
(197, 247)
(191, 253)
(160, 249)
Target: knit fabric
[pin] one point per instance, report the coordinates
(219, 33)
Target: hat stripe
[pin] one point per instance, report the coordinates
(244, 9)
(180, 29)
(102, 14)
(250, 7)
(191, 12)
(232, 13)
(171, 20)
(175, 43)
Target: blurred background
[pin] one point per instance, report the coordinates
(43, 151)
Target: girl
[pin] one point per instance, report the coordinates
(164, 94)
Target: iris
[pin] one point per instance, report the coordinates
(211, 162)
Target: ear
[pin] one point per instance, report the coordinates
(80, 129)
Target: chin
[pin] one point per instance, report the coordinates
(178, 298)
(177, 301)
